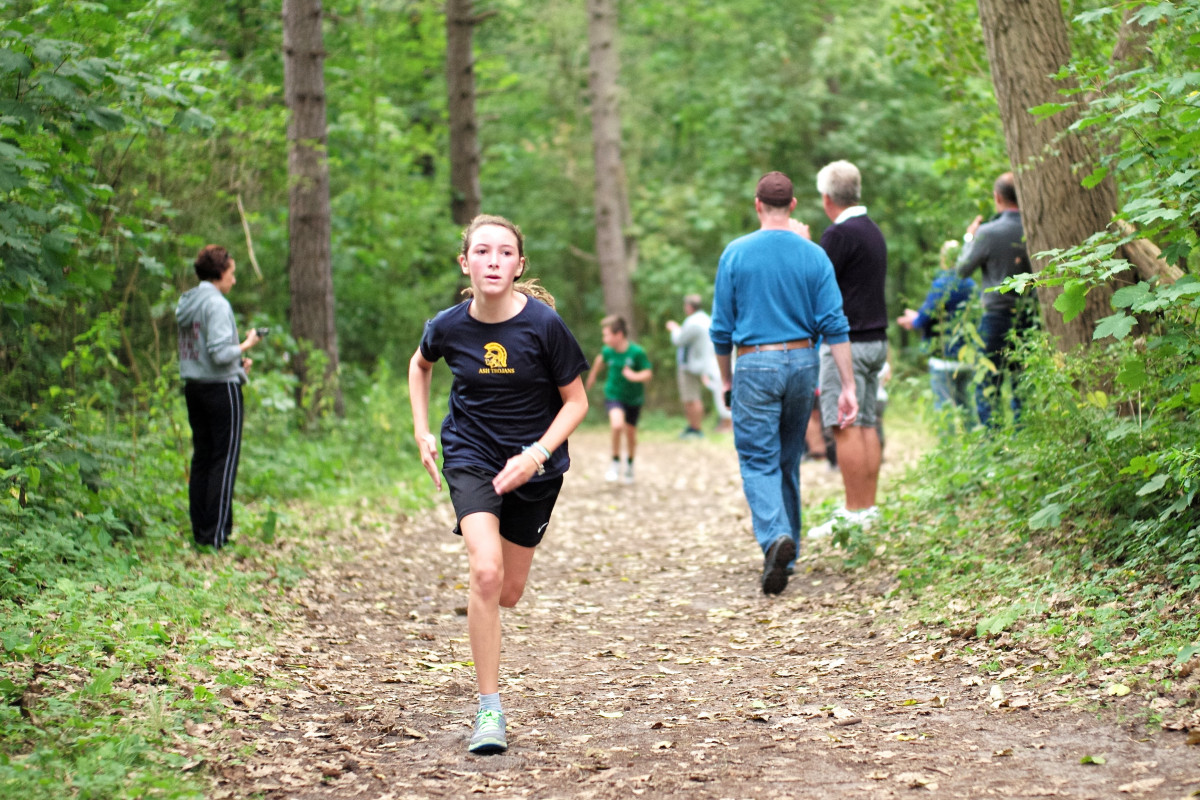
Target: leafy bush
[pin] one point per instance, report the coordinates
(112, 624)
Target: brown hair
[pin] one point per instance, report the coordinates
(211, 262)
(529, 287)
(615, 323)
(491, 219)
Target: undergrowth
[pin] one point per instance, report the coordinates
(1047, 528)
(115, 633)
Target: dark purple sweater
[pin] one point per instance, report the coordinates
(859, 255)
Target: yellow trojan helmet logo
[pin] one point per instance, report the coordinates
(494, 355)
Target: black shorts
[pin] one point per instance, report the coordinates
(524, 512)
(632, 412)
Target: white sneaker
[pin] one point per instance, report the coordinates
(821, 531)
(614, 473)
(863, 519)
(867, 516)
(627, 478)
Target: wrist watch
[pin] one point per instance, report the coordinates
(968, 237)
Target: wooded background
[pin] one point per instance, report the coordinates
(132, 130)
(337, 149)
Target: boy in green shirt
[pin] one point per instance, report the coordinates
(624, 392)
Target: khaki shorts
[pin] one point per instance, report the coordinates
(691, 386)
(867, 358)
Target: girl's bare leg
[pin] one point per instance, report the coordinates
(481, 532)
(499, 570)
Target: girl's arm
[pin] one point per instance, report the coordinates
(597, 365)
(523, 466)
(420, 377)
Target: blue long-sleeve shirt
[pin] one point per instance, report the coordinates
(943, 306)
(775, 286)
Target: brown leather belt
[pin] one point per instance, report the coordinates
(799, 344)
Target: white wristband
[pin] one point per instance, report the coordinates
(541, 469)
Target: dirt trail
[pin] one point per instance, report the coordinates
(644, 661)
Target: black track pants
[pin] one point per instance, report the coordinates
(215, 414)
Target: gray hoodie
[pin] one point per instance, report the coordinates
(209, 347)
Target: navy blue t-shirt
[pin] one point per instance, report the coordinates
(506, 381)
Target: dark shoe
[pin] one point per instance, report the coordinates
(775, 575)
(692, 433)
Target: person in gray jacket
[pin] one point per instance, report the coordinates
(997, 248)
(213, 366)
(696, 367)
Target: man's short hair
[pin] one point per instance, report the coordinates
(842, 181)
(775, 189)
(615, 323)
(693, 301)
(1005, 188)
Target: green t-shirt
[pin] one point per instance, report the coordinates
(616, 387)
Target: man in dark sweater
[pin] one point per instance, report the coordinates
(998, 247)
(858, 251)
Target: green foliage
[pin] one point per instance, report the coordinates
(64, 97)
(1090, 499)
(1103, 468)
(1097, 574)
(134, 131)
(102, 592)
(1129, 406)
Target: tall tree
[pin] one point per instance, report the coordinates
(1028, 48)
(309, 263)
(465, 192)
(615, 252)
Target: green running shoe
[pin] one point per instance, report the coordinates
(488, 737)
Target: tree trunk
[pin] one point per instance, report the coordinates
(309, 259)
(465, 193)
(612, 201)
(1027, 44)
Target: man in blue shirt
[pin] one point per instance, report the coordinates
(775, 293)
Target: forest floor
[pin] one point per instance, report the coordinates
(644, 661)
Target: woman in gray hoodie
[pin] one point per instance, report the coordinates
(213, 368)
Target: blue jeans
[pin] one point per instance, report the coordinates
(772, 401)
(951, 391)
(993, 331)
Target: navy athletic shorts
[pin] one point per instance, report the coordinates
(524, 512)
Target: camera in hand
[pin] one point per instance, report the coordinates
(262, 332)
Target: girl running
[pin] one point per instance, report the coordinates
(517, 395)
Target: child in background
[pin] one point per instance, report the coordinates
(517, 394)
(624, 391)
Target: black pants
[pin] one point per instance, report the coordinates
(215, 414)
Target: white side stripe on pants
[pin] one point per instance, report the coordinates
(225, 503)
